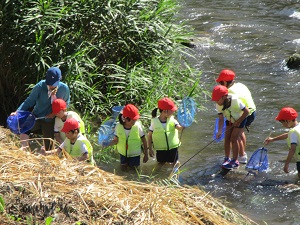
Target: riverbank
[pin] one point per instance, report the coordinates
(47, 190)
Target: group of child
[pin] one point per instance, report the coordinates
(50, 98)
(235, 103)
(130, 139)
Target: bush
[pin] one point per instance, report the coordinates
(110, 52)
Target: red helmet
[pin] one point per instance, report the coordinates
(287, 113)
(167, 104)
(57, 105)
(226, 75)
(70, 124)
(131, 112)
(218, 92)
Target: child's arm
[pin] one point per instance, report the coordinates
(243, 116)
(179, 127)
(151, 153)
(145, 159)
(83, 157)
(58, 137)
(50, 152)
(289, 157)
(277, 138)
(113, 142)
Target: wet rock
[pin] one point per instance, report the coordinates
(293, 61)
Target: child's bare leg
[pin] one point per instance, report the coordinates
(227, 144)
(243, 144)
(235, 135)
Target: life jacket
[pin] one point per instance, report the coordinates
(71, 114)
(234, 112)
(165, 139)
(296, 130)
(75, 151)
(130, 146)
(244, 94)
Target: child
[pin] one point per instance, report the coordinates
(129, 136)
(75, 143)
(163, 132)
(59, 109)
(287, 116)
(226, 78)
(236, 114)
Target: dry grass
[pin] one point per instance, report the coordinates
(36, 187)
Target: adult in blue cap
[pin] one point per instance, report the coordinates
(40, 99)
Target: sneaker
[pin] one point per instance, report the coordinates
(226, 161)
(231, 165)
(243, 159)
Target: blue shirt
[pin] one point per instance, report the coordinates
(39, 99)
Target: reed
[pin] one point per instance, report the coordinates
(110, 52)
(37, 189)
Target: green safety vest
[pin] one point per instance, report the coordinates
(75, 151)
(130, 146)
(297, 131)
(244, 94)
(165, 139)
(233, 113)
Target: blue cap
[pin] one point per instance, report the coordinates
(53, 76)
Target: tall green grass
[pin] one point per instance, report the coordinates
(111, 52)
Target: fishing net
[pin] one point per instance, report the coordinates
(106, 130)
(258, 160)
(21, 122)
(217, 130)
(186, 111)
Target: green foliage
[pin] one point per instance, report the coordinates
(49, 220)
(111, 52)
(2, 204)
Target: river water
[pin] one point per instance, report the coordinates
(253, 38)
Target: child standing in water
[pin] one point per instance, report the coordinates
(129, 136)
(236, 114)
(287, 116)
(226, 78)
(163, 132)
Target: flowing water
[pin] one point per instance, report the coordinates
(253, 38)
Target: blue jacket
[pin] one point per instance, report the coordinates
(39, 99)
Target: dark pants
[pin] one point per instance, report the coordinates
(170, 156)
(46, 128)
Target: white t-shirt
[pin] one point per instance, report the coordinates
(294, 138)
(59, 123)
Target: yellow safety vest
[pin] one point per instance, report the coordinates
(296, 130)
(234, 112)
(244, 94)
(165, 139)
(130, 146)
(75, 151)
